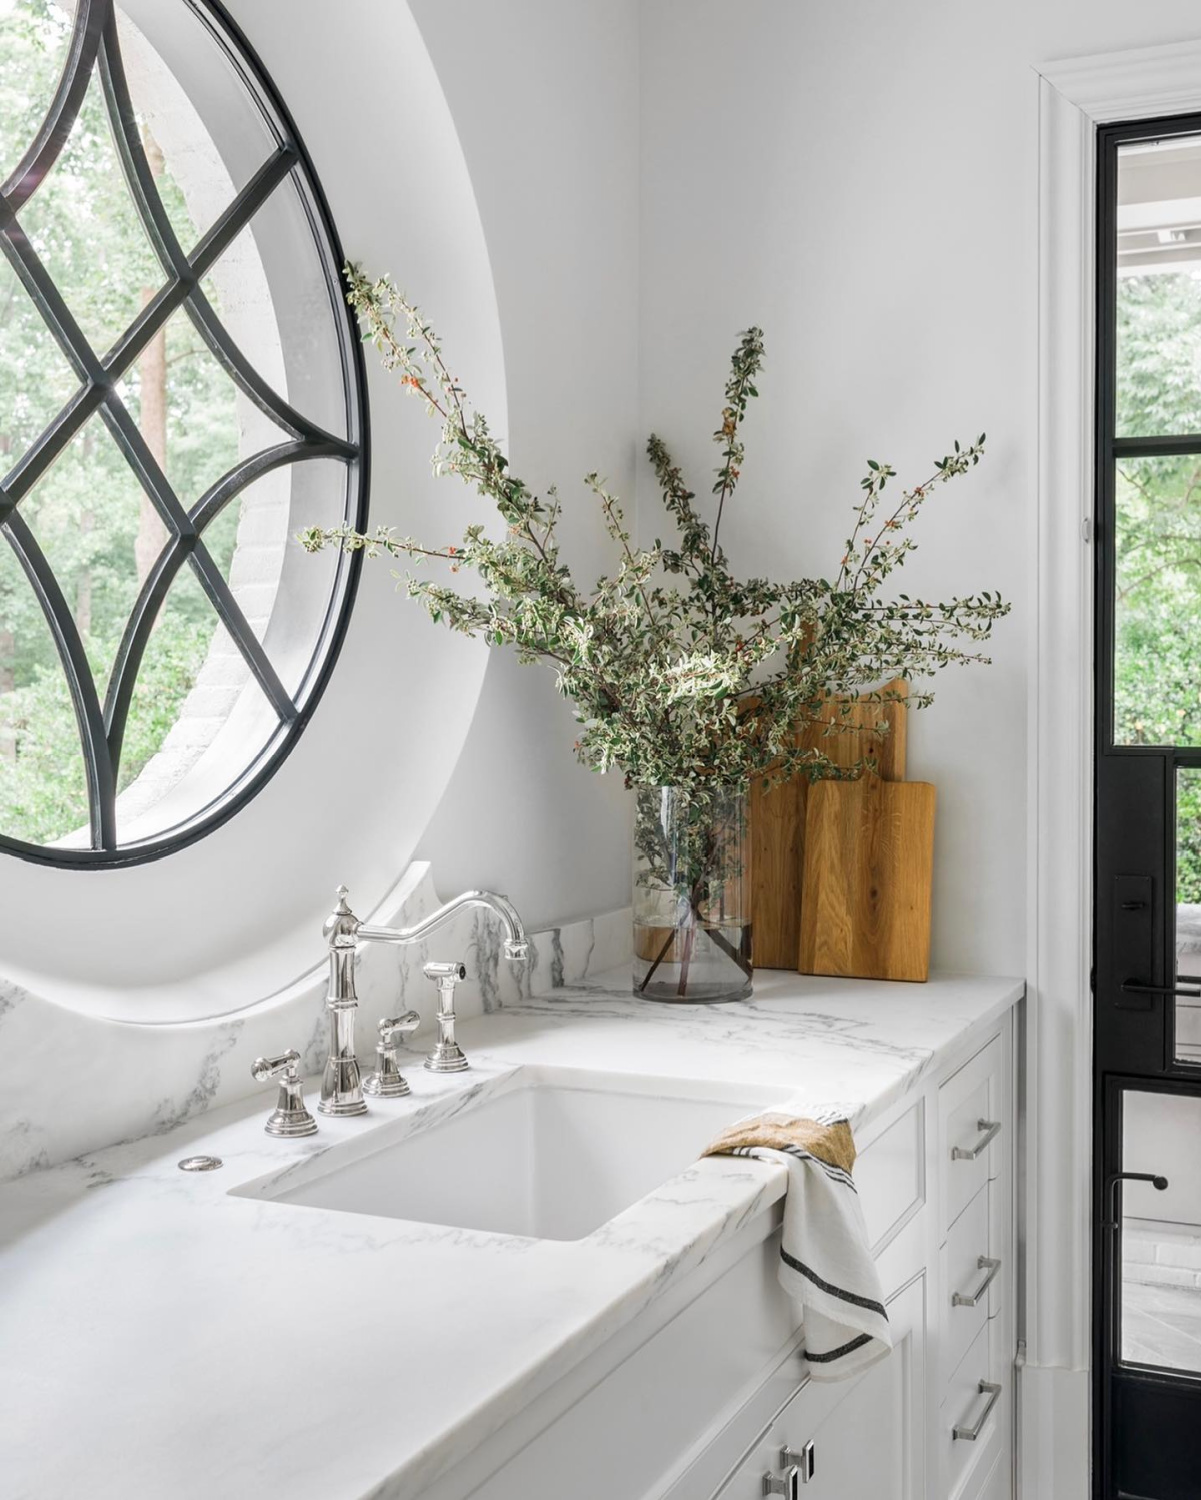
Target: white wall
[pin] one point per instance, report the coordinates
(504, 171)
(650, 177)
(544, 94)
(861, 180)
(541, 214)
(237, 915)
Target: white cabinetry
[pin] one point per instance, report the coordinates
(702, 1403)
(864, 1437)
(935, 1418)
(976, 1260)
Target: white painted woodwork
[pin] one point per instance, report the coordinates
(1075, 96)
(966, 1242)
(703, 1406)
(971, 1096)
(866, 1436)
(891, 1176)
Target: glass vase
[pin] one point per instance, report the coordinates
(692, 894)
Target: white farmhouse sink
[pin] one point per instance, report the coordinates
(549, 1154)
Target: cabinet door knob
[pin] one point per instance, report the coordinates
(786, 1484)
(802, 1461)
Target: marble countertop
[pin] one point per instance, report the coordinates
(159, 1336)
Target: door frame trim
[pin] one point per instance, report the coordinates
(1074, 97)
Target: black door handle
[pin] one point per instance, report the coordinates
(1111, 1190)
(1134, 987)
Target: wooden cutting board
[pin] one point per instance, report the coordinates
(778, 822)
(868, 873)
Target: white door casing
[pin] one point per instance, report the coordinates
(1075, 96)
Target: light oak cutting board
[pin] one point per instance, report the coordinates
(868, 873)
(778, 823)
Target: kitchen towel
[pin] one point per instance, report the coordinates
(826, 1265)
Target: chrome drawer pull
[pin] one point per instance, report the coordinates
(991, 1128)
(783, 1484)
(969, 1299)
(803, 1462)
(970, 1434)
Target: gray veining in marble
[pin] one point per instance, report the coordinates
(173, 1296)
(171, 1074)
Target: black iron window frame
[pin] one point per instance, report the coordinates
(95, 47)
(1109, 446)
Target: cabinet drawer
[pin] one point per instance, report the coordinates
(998, 1484)
(980, 1233)
(890, 1176)
(971, 1123)
(973, 1419)
(961, 1279)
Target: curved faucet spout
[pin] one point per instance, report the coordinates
(517, 947)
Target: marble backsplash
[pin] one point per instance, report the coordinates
(85, 1082)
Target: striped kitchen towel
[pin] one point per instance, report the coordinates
(825, 1263)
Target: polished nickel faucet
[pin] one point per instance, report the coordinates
(341, 1085)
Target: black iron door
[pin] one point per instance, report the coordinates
(1147, 912)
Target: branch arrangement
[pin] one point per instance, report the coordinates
(679, 673)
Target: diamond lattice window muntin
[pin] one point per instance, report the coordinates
(95, 48)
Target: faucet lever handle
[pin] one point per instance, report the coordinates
(286, 1063)
(393, 1026)
(290, 1117)
(387, 1082)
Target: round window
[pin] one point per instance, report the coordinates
(180, 393)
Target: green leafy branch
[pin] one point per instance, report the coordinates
(679, 673)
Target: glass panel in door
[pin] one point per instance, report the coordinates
(1157, 600)
(1157, 456)
(1161, 1231)
(1158, 329)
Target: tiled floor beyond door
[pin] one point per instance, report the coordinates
(1161, 1325)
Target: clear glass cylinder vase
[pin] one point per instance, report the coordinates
(692, 894)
